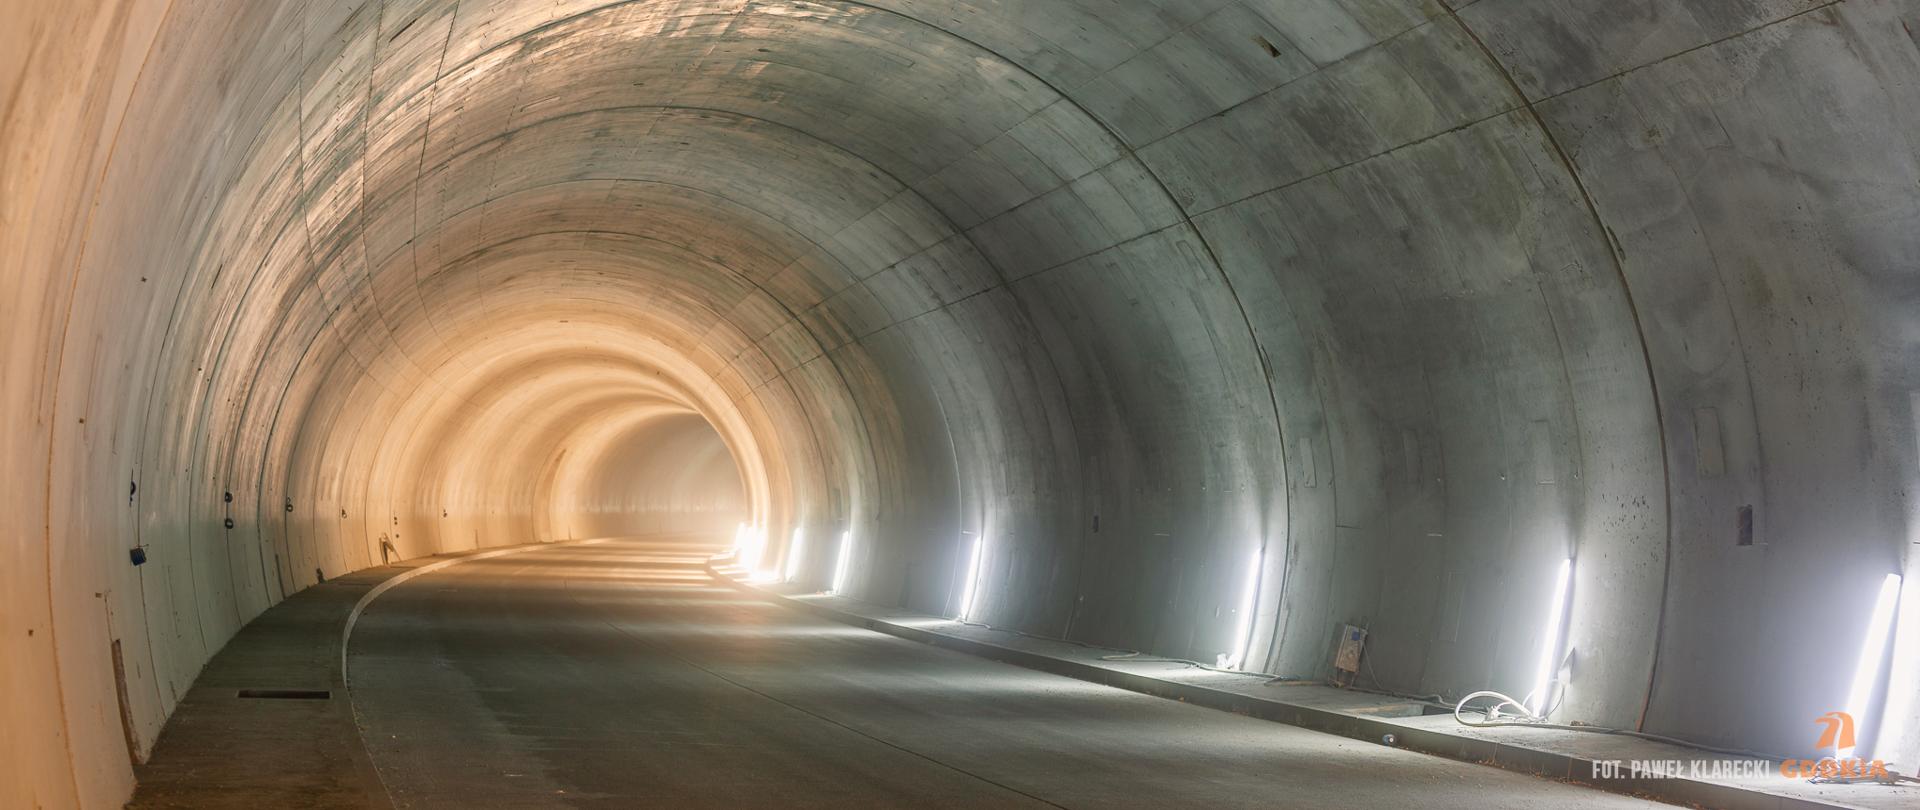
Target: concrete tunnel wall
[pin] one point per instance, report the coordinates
(1419, 297)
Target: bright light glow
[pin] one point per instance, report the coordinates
(1243, 634)
(1903, 701)
(973, 579)
(840, 565)
(794, 551)
(749, 546)
(764, 570)
(1873, 653)
(1550, 640)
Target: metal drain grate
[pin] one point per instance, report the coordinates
(285, 694)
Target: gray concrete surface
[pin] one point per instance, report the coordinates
(620, 675)
(1419, 296)
(222, 751)
(1585, 757)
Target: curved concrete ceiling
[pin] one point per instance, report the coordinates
(1408, 300)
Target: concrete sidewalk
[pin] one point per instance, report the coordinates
(1411, 724)
(268, 723)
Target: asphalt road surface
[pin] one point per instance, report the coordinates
(620, 675)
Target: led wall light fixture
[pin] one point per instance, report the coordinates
(1893, 742)
(1539, 701)
(747, 546)
(1873, 656)
(1250, 602)
(840, 565)
(764, 569)
(794, 550)
(973, 578)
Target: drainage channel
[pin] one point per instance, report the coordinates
(284, 694)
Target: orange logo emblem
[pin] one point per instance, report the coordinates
(1836, 730)
(1837, 735)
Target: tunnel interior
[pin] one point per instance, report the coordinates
(1206, 329)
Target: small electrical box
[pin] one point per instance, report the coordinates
(1347, 660)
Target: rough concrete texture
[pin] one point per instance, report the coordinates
(1420, 296)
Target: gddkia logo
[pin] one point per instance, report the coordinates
(1836, 733)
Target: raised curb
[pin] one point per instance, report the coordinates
(1561, 767)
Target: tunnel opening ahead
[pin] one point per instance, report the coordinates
(652, 473)
(1214, 330)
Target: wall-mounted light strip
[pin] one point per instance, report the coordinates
(973, 579)
(1893, 743)
(794, 550)
(765, 571)
(840, 565)
(750, 545)
(1550, 641)
(1873, 654)
(1250, 602)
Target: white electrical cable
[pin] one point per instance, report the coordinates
(1493, 713)
(1525, 717)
